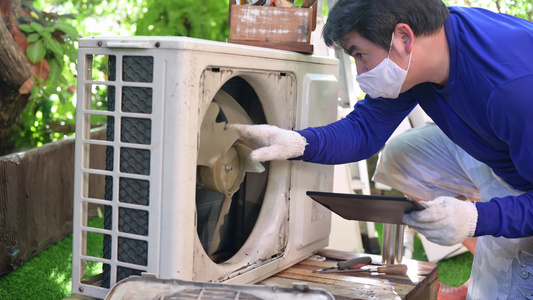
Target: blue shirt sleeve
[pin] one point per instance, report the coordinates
(510, 111)
(510, 217)
(361, 134)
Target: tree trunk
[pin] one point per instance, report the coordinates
(15, 69)
(12, 103)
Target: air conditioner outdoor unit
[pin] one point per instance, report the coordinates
(179, 198)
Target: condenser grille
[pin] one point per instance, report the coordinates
(137, 100)
(133, 221)
(134, 161)
(134, 191)
(138, 68)
(121, 91)
(134, 130)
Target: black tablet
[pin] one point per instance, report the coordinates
(371, 208)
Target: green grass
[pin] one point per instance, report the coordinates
(48, 275)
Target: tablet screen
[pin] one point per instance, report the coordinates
(370, 208)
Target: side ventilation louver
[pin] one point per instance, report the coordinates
(136, 131)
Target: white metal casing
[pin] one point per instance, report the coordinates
(295, 90)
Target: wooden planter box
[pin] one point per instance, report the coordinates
(36, 200)
(273, 27)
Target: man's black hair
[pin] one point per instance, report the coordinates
(375, 20)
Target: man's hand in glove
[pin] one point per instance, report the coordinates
(270, 142)
(446, 221)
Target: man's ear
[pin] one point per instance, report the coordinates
(404, 33)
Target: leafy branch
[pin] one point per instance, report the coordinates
(41, 40)
(50, 113)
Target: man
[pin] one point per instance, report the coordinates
(471, 71)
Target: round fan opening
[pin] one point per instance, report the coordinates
(230, 188)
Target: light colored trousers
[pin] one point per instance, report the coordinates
(424, 163)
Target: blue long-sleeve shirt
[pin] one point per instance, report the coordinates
(486, 108)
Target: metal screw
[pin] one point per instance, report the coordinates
(229, 168)
(100, 43)
(80, 289)
(157, 44)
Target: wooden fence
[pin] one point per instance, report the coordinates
(36, 200)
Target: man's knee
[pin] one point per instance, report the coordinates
(401, 150)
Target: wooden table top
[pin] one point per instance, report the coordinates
(420, 282)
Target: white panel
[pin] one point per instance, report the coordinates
(318, 108)
(319, 105)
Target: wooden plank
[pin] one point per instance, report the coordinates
(423, 268)
(424, 289)
(271, 24)
(303, 271)
(373, 281)
(420, 282)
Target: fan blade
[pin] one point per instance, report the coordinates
(224, 210)
(232, 110)
(235, 114)
(249, 166)
(214, 140)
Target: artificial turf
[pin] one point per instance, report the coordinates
(48, 275)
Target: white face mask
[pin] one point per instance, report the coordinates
(385, 80)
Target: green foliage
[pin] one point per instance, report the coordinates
(192, 18)
(50, 112)
(97, 17)
(43, 42)
(52, 29)
(518, 8)
(45, 119)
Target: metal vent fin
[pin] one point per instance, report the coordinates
(149, 287)
(211, 294)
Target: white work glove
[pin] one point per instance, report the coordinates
(445, 221)
(270, 142)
